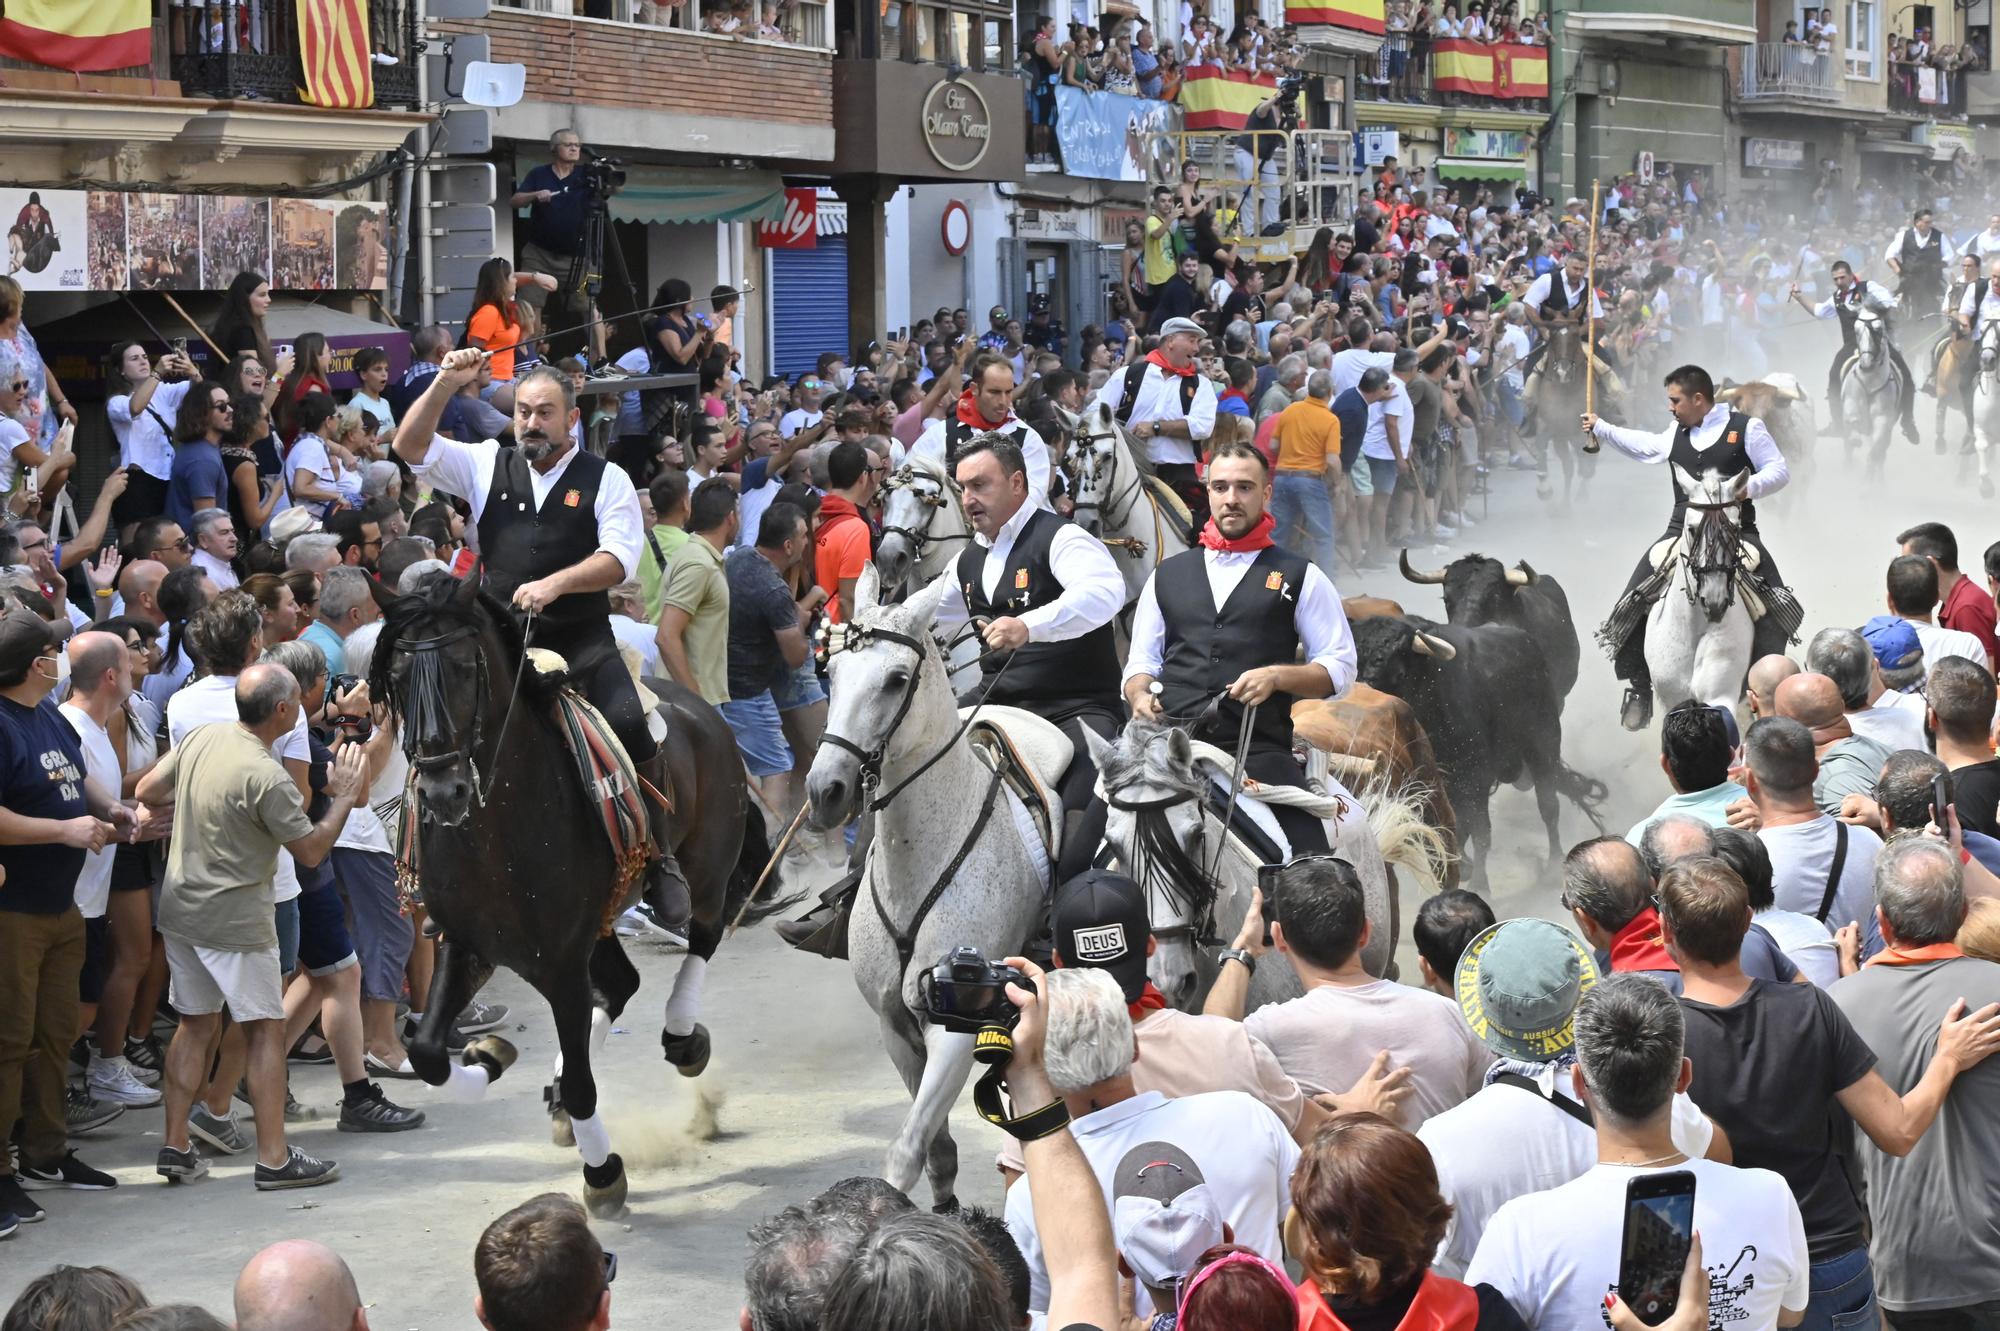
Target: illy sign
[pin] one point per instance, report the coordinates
(958, 127)
(798, 229)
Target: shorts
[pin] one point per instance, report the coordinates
(1381, 475)
(798, 688)
(383, 935)
(760, 737)
(287, 914)
(323, 943)
(1398, 60)
(96, 959)
(1358, 477)
(134, 866)
(206, 979)
(535, 259)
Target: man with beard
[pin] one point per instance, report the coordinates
(987, 407)
(1229, 618)
(558, 528)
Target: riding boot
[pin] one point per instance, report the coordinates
(667, 892)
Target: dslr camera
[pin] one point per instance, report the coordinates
(967, 994)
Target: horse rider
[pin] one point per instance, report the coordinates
(1918, 256)
(1165, 400)
(1704, 437)
(987, 407)
(1556, 297)
(1851, 295)
(1225, 622)
(558, 527)
(1968, 273)
(1044, 592)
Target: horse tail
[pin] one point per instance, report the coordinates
(1586, 792)
(1396, 817)
(751, 858)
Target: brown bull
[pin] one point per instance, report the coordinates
(1369, 607)
(1372, 736)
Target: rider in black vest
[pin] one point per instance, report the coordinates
(1045, 592)
(1165, 402)
(1567, 301)
(1918, 257)
(555, 555)
(1227, 620)
(1703, 438)
(1851, 295)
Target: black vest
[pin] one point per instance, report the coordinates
(957, 432)
(1920, 262)
(1727, 456)
(1208, 647)
(519, 543)
(1051, 679)
(1558, 301)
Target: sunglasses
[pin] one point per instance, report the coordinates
(610, 1266)
(181, 545)
(18, 386)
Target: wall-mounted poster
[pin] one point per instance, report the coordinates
(46, 246)
(235, 238)
(361, 248)
(164, 241)
(302, 245)
(109, 261)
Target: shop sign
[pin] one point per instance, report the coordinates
(1380, 143)
(1643, 167)
(798, 229)
(1775, 154)
(1051, 224)
(1946, 141)
(957, 125)
(1504, 145)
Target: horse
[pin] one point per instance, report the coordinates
(1871, 389)
(1986, 402)
(924, 526)
(942, 871)
(1115, 503)
(512, 859)
(1957, 363)
(1559, 390)
(1160, 825)
(1698, 632)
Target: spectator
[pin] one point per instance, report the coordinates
(142, 406)
(1847, 762)
(1874, 711)
(1445, 926)
(312, 552)
(1164, 1220)
(170, 1317)
(1234, 1289)
(1819, 866)
(1962, 607)
(795, 1257)
(539, 1268)
(1697, 746)
(314, 476)
(1913, 594)
(1807, 943)
(1903, 801)
(666, 533)
(1308, 468)
(213, 532)
(345, 604)
(1899, 652)
(631, 626)
(1960, 717)
(197, 479)
(767, 642)
(843, 542)
(73, 1298)
(298, 1285)
(694, 615)
(357, 535)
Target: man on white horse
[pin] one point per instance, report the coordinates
(986, 407)
(1981, 303)
(1224, 624)
(1704, 437)
(1164, 400)
(1851, 295)
(1047, 591)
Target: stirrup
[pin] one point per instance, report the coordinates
(1637, 711)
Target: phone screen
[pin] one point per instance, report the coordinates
(1659, 1227)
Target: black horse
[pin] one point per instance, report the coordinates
(513, 862)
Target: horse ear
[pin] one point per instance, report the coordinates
(384, 596)
(867, 590)
(1099, 748)
(923, 607)
(1180, 750)
(467, 594)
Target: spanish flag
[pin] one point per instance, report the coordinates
(79, 35)
(1490, 71)
(1360, 15)
(1216, 98)
(333, 54)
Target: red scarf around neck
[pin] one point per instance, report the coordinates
(1638, 947)
(1159, 358)
(1256, 538)
(968, 413)
(1914, 956)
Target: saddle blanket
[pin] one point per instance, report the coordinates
(1349, 817)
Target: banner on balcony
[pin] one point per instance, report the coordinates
(1216, 98)
(1359, 15)
(79, 35)
(1110, 136)
(334, 55)
(1490, 71)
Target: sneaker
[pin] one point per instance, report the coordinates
(9, 1222)
(68, 1172)
(378, 1114)
(319, 1052)
(1445, 531)
(658, 927)
(147, 1055)
(24, 1208)
(299, 1171)
(83, 1113)
(180, 1166)
(479, 1018)
(218, 1130)
(112, 1080)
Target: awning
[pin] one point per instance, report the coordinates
(1481, 168)
(699, 194)
(1895, 147)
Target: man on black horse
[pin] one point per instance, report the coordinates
(558, 527)
(1703, 438)
(1851, 295)
(1046, 592)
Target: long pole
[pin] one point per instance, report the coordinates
(1590, 323)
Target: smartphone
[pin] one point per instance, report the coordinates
(1941, 799)
(1267, 883)
(1659, 1227)
(181, 347)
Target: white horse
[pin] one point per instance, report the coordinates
(1162, 828)
(1986, 402)
(1113, 501)
(1698, 632)
(924, 526)
(1871, 388)
(955, 860)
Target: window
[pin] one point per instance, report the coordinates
(1862, 37)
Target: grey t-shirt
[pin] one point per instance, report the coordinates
(1936, 1243)
(1848, 767)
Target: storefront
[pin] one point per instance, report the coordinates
(1496, 159)
(1784, 169)
(805, 280)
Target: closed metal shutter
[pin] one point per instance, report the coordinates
(808, 305)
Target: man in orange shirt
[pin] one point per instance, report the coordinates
(845, 542)
(1308, 438)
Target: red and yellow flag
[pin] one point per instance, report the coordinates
(1359, 15)
(1216, 98)
(79, 35)
(333, 54)
(1490, 71)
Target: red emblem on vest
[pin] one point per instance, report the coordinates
(1020, 579)
(571, 498)
(1273, 581)
(1732, 439)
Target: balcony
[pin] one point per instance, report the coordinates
(240, 51)
(1702, 22)
(1790, 71)
(1461, 83)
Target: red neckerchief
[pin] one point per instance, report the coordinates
(1256, 538)
(1914, 956)
(1637, 947)
(1159, 358)
(968, 414)
(1236, 393)
(1150, 1000)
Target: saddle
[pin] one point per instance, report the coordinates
(1171, 507)
(1337, 808)
(1762, 598)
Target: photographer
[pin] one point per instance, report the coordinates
(557, 197)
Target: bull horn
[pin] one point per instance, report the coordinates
(1435, 648)
(1429, 579)
(1520, 575)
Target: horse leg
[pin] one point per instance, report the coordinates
(1982, 438)
(454, 980)
(574, 1009)
(934, 1064)
(613, 981)
(684, 1040)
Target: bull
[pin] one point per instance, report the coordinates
(1368, 607)
(1485, 698)
(1479, 590)
(1371, 738)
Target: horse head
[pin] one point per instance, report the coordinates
(1092, 464)
(1156, 823)
(920, 507)
(1565, 357)
(1715, 549)
(1870, 338)
(882, 665)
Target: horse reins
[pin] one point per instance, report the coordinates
(423, 649)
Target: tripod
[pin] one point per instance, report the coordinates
(586, 271)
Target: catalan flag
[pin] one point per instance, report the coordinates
(333, 54)
(79, 35)
(1216, 98)
(1490, 71)
(1360, 15)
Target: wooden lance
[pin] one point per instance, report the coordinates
(1590, 444)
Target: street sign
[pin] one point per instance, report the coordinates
(463, 131)
(437, 9)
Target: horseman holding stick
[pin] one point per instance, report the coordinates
(1852, 294)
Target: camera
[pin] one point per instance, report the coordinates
(602, 176)
(354, 727)
(967, 993)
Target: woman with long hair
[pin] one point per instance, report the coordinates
(142, 406)
(254, 497)
(494, 324)
(312, 362)
(277, 604)
(240, 326)
(677, 342)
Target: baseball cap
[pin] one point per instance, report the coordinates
(1172, 326)
(1894, 642)
(291, 523)
(1518, 985)
(1163, 1216)
(1100, 921)
(24, 636)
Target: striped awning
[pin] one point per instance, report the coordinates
(699, 194)
(1481, 168)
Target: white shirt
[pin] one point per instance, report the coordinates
(100, 764)
(1554, 1255)
(466, 470)
(310, 455)
(1348, 367)
(13, 434)
(641, 638)
(1806, 942)
(1939, 642)
(1321, 623)
(1711, 301)
(1159, 399)
(223, 576)
(636, 361)
(798, 418)
(1375, 443)
(212, 701)
(1896, 720)
(1873, 295)
(1093, 588)
(1802, 858)
(1770, 475)
(1980, 304)
(1544, 286)
(1895, 250)
(1245, 1155)
(367, 827)
(1034, 452)
(142, 440)
(1510, 349)
(1986, 244)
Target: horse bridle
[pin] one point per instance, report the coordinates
(1106, 508)
(905, 478)
(1730, 540)
(467, 753)
(1199, 928)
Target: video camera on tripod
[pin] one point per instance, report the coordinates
(602, 176)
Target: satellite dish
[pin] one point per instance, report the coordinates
(494, 85)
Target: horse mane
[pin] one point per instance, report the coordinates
(1157, 855)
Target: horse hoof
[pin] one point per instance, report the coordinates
(945, 1206)
(690, 1052)
(604, 1187)
(492, 1053)
(560, 1131)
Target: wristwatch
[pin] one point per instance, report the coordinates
(1238, 954)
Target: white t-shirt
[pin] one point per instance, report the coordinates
(100, 764)
(212, 701)
(1510, 349)
(12, 435)
(369, 825)
(1940, 642)
(1554, 1255)
(1801, 860)
(641, 638)
(1805, 942)
(1896, 721)
(798, 418)
(1375, 443)
(309, 455)
(1326, 1038)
